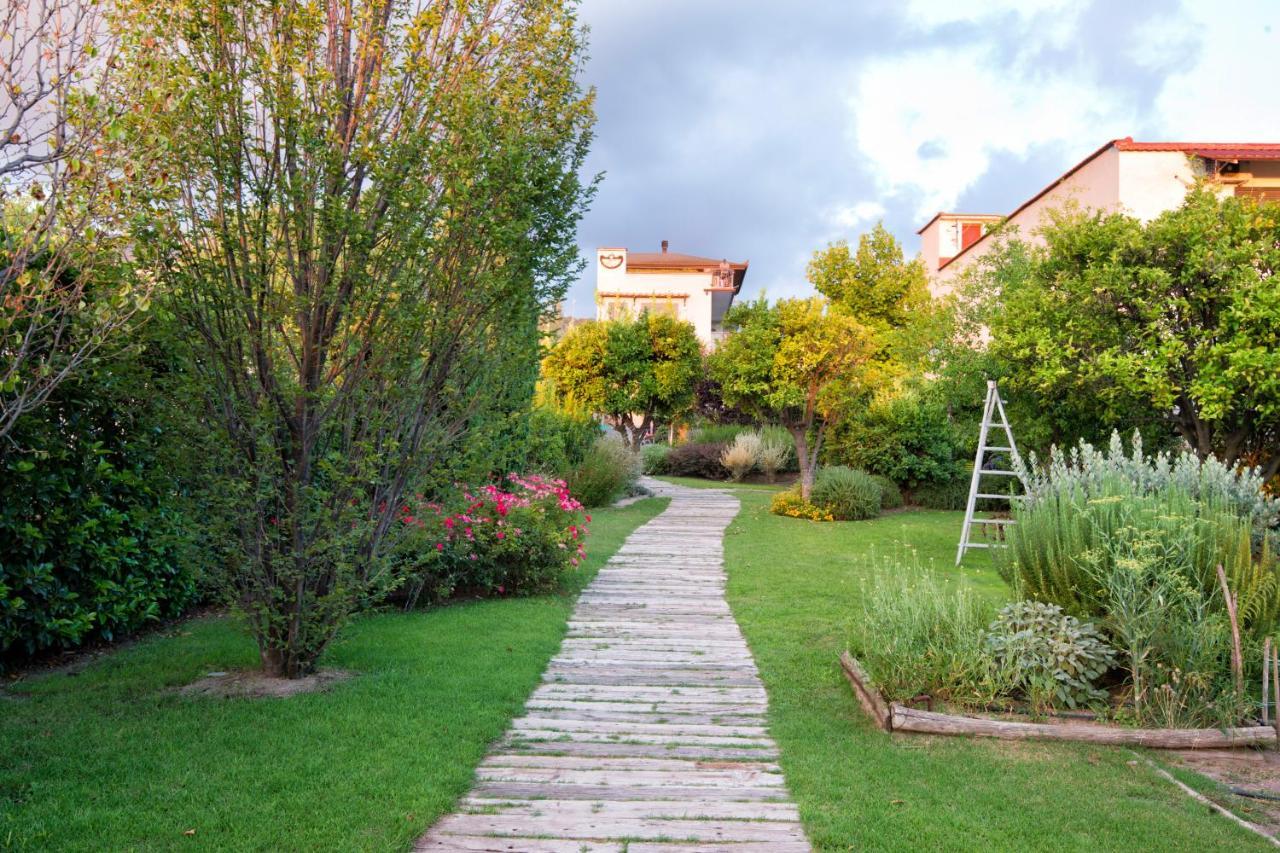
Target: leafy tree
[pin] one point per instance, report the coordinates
(875, 283)
(645, 367)
(795, 363)
(1179, 317)
(370, 206)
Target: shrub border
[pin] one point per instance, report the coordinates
(893, 717)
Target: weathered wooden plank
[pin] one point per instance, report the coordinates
(490, 844)
(570, 762)
(627, 728)
(609, 809)
(913, 720)
(560, 790)
(589, 828)
(723, 753)
(688, 777)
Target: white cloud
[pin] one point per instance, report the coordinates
(1228, 91)
(931, 123)
(849, 216)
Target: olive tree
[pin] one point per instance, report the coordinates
(371, 204)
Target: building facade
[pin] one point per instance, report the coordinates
(1142, 179)
(688, 287)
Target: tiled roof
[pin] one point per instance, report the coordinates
(675, 260)
(1213, 150)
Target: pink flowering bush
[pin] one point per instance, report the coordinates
(516, 538)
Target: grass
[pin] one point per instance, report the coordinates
(112, 758)
(794, 586)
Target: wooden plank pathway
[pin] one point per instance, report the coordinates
(647, 734)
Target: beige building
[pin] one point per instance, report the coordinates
(691, 288)
(1142, 179)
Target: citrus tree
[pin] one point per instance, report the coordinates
(1179, 317)
(635, 372)
(796, 362)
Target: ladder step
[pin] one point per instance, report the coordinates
(992, 521)
(1001, 449)
(1000, 473)
(1001, 497)
(985, 545)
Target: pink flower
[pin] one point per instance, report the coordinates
(439, 546)
(501, 535)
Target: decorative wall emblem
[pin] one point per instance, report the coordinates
(612, 260)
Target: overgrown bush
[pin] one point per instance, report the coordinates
(741, 457)
(907, 437)
(653, 458)
(846, 493)
(608, 471)
(95, 542)
(921, 631)
(514, 539)
(948, 494)
(890, 494)
(791, 504)
(697, 460)
(558, 441)
(1053, 658)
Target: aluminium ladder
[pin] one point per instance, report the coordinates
(994, 407)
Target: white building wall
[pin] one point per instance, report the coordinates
(695, 307)
(1095, 186)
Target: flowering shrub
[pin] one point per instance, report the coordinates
(789, 503)
(514, 539)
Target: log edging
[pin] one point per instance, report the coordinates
(894, 717)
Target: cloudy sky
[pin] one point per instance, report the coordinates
(753, 129)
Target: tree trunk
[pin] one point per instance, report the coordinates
(801, 437)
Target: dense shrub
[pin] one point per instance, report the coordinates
(742, 456)
(922, 632)
(947, 494)
(908, 438)
(653, 458)
(558, 441)
(94, 541)
(846, 493)
(514, 539)
(890, 494)
(791, 504)
(697, 459)
(1052, 658)
(608, 471)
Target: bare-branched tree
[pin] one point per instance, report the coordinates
(62, 172)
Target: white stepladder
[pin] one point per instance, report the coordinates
(993, 408)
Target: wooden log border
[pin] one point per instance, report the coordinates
(893, 717)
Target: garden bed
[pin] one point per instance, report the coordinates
(896, 717)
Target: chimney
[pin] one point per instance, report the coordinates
(664, 246)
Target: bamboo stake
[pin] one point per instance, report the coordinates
(1266, 680)
(1237, 665)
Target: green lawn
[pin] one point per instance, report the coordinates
(794, 587)
(113, 759)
